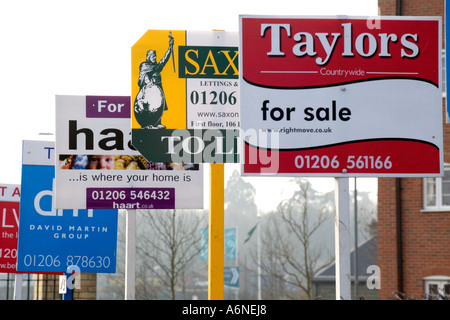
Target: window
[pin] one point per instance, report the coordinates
(437, 192)
(437, 287)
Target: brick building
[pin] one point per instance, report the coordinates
(414, 213)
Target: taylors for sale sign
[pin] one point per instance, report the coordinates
(341, 96)
(99, 168)
(50, 239)
(9, 227)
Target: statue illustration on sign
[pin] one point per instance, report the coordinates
(150, 102)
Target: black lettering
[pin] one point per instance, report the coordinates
(117, 139)
(326, 116)
(310, 115)
(73, 134)
(264, 109)
(323, 113)
(344, 114)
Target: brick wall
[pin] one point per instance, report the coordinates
(47, 287)
(425, 235)
(88, 290)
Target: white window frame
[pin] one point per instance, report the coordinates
(440, 282)
(444, 74)
(438, 206)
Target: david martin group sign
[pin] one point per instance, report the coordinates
(50, 239)
(341, 96)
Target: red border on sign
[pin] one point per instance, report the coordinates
(370, 157)
(319, 52)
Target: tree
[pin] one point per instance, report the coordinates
(289, 255)
(240, 196)
(168, 242)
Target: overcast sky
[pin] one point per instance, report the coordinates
(83, 48)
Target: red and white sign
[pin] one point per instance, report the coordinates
(9, 227)
(330, 96)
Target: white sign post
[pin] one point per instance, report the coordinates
(341, 97)
(342, 239)
(130, 255)
(18, 286)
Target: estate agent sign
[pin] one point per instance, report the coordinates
(99, 168)
(334, 96)
(185, 96)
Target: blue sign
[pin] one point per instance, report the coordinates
(231, 277)
(204, 244)
(52, 240)
(230, 243)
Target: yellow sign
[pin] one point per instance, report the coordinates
(169, 93)
(185, 96)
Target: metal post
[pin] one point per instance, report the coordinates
(259, 261)
(69, 292)
(355, 255)
(18, 286)
(130, 255)
(342, 239)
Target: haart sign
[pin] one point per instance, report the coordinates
(99, 168)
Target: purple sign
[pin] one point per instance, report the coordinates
(108, 107)
(130, 198)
